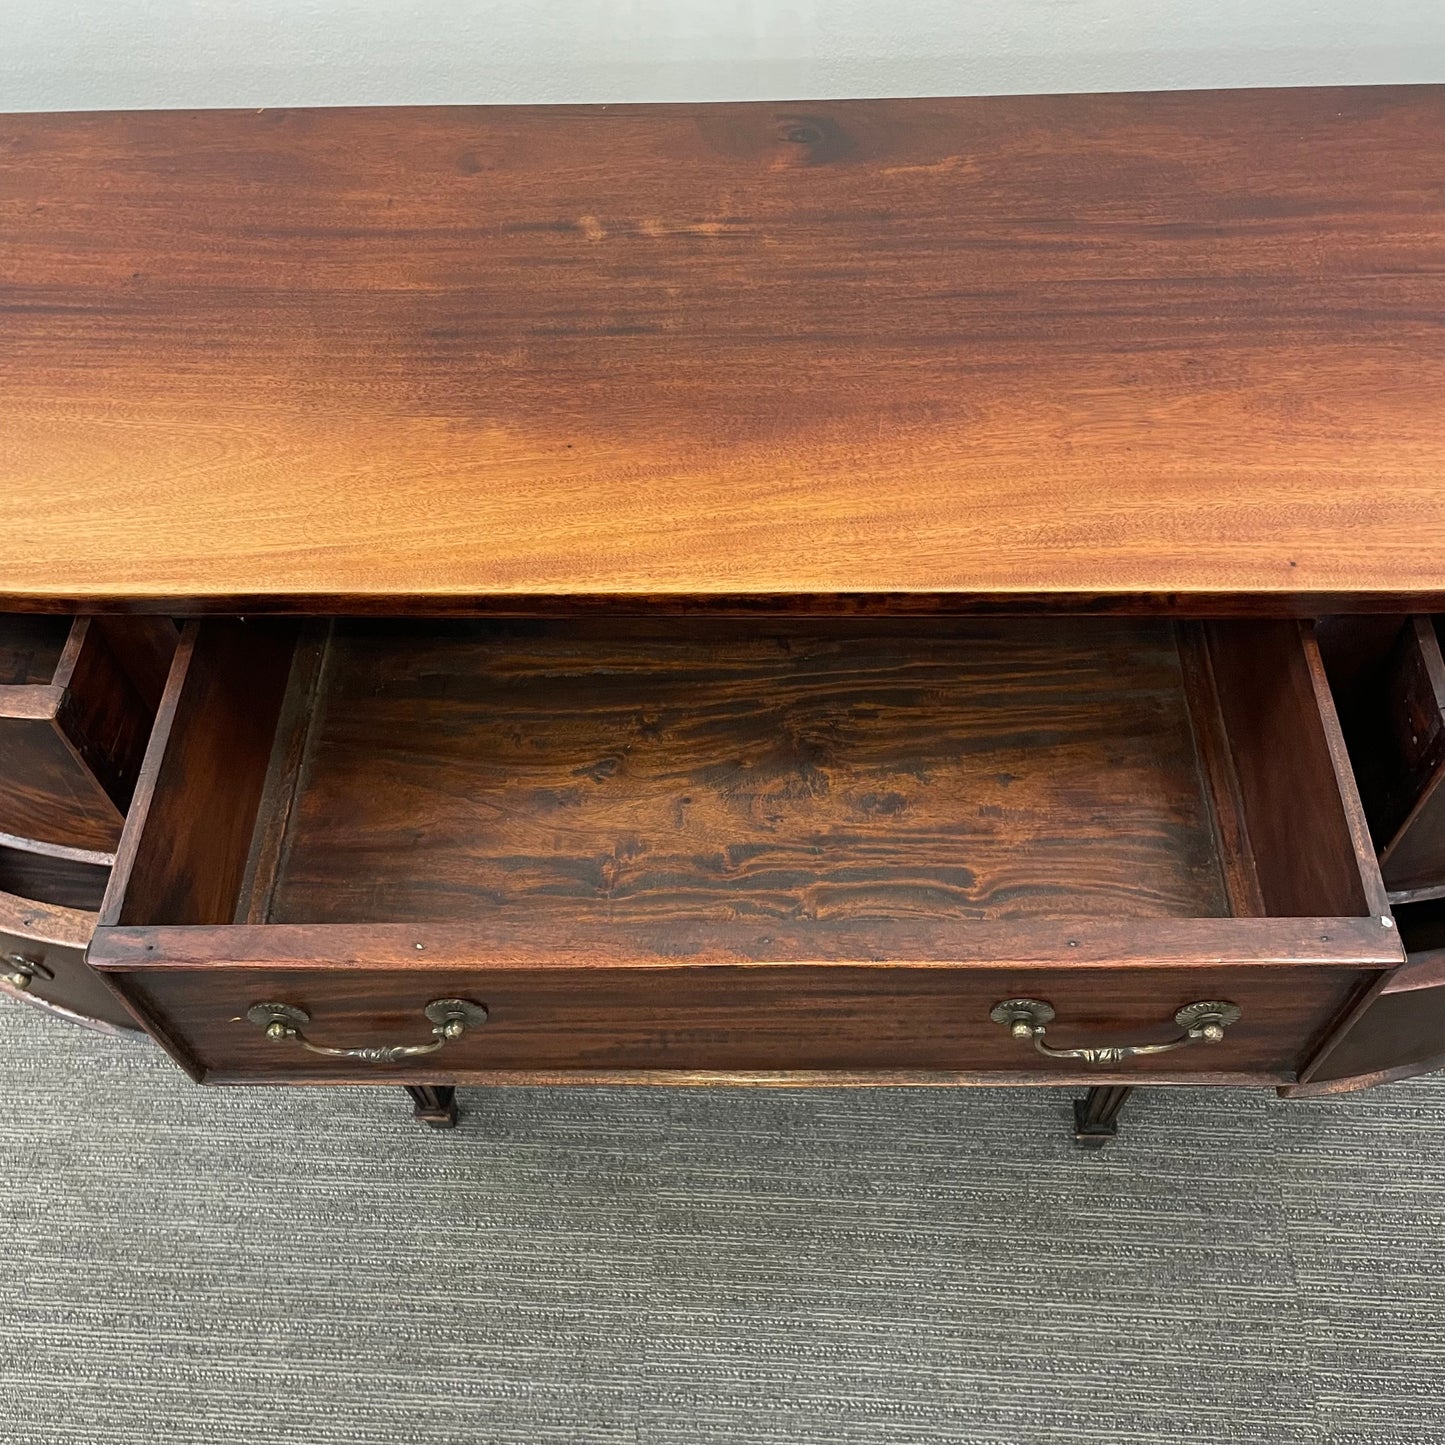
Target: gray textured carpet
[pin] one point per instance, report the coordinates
(657, 1266)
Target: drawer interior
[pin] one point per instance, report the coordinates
(810, 773)
(1389, 677)
(77, 698)
(31, 648)
(795, 772)
(65, 877)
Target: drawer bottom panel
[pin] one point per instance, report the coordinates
(835, 1018)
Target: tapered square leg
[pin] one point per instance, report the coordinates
(435, 1107)
(1096, 1115)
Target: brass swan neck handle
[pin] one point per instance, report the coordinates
(450, 1019)
(1028, 1019)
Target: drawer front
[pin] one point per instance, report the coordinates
(733, 1019)
(42, 961)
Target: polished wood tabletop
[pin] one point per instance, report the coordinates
(1165, 350)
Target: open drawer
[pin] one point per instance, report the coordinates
(77, 696)
(42, 962)
(49, 897)
(1392, 698)
(703, 845)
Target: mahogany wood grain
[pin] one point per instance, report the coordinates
(690, 1017)
(1365, 606)
(1412, 812)
(142, 648)
(48, 922)
(781, 1078)
(68, 877)
(1216, 757)
(697, 844)
(283, 774)
(650, 772)
(102, 714)
(46, 790)
(72, 733)
(809, 790)
(1396, 1030)
(1307, 829)
(516, 941)
(54, 939)
(189, 832)
(30, 648)
(1176, 350)
(1390, 1036)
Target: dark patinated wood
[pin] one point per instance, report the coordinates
(1196, 605)
(1177, 350)
(436, 1105)
(30, 648)
(645, 772)
(1388, 676)
(283, 774)
(516, 941)
(698, 846)
(76, 703)
(49, 789)
(1096, 1115)
(714, 847)
(143, 648)
(1396, 1032)
(50, 873)
(74, 728)
(1396, 1029)
(728, 437)
(1302, 812)
(52, 940)
(765, 1018)
(184, 855)
(779, 1078)
(1389, 680)
(1412, 805)
(819, 778)
(1216, 758)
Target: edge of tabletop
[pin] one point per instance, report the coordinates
(441, 602)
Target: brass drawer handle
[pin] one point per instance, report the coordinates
(450, 1019)
(1027, 1018)
(21, 972)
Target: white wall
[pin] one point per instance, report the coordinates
(94, 54)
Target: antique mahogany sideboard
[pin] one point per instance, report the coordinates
(931, 591)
